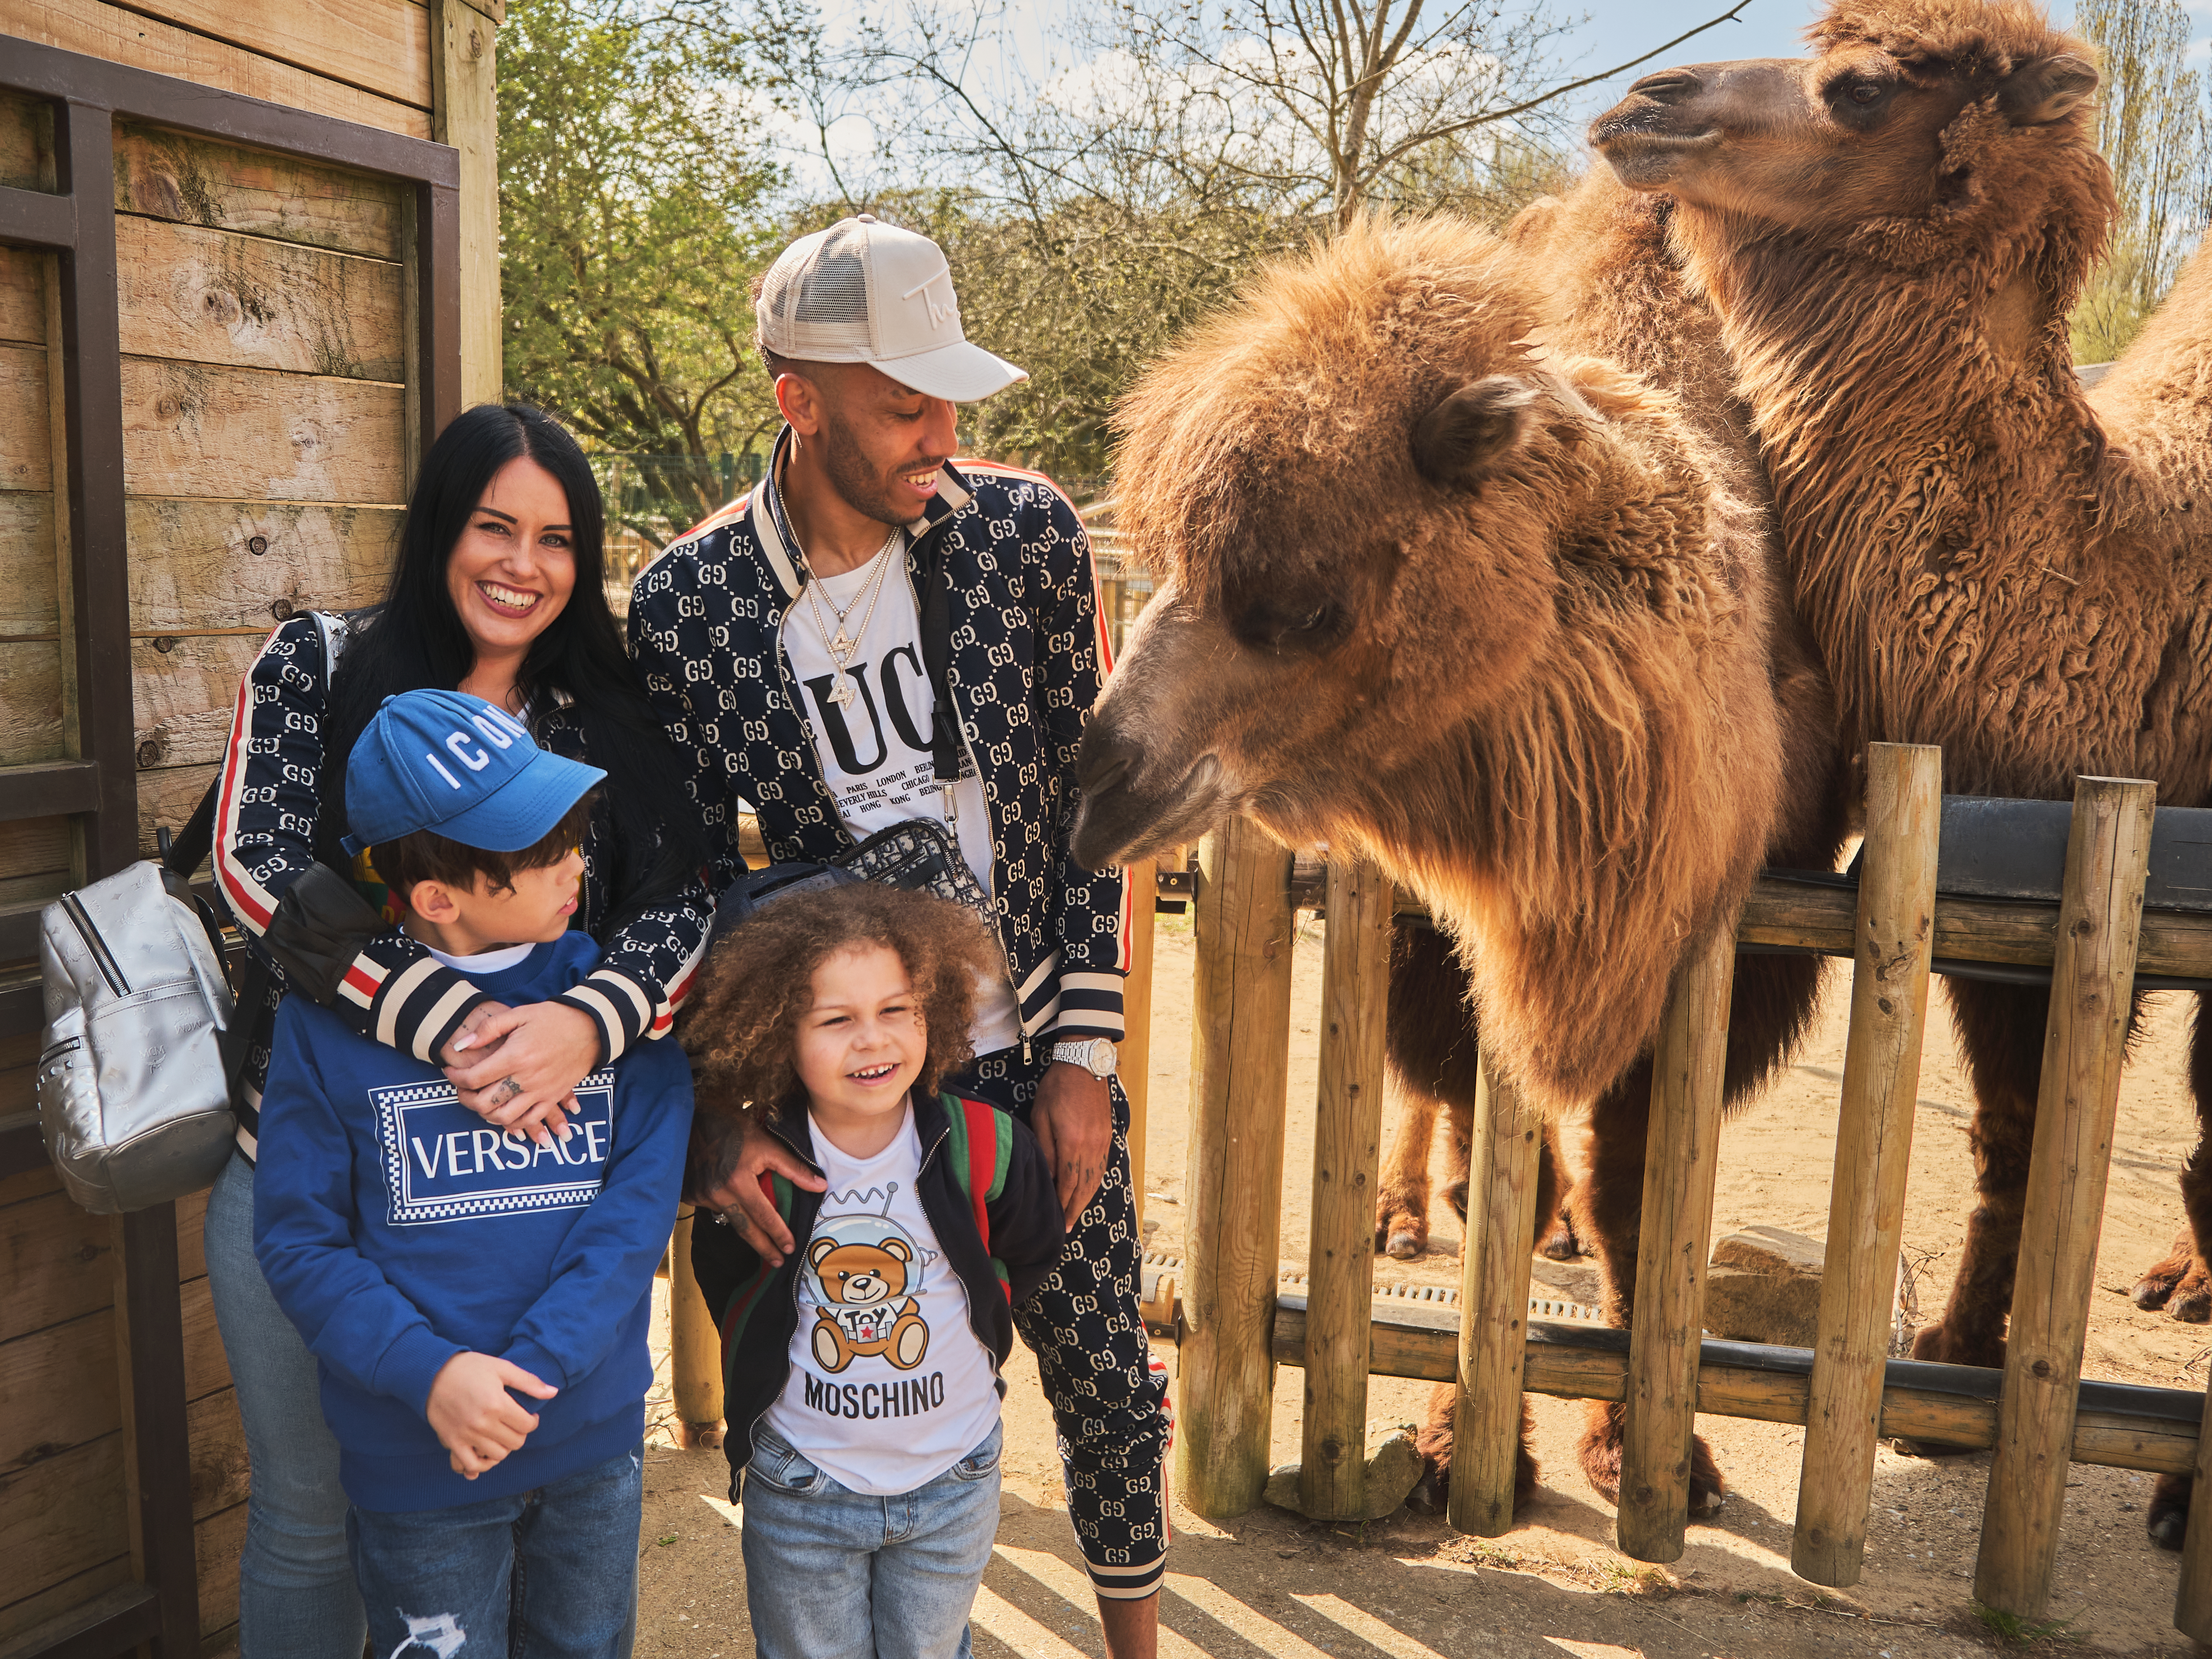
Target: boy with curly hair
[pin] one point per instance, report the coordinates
(862, 1373)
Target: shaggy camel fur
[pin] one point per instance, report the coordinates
(1893, 233)
(1611, 287)
(1486, 611)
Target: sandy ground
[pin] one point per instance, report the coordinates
(1273, 1583)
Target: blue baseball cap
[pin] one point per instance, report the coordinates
(467, 768)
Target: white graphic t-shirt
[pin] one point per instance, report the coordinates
(889, 1386)
(875, 748)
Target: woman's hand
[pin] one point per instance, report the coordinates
(517, 1068)
(475, 1418)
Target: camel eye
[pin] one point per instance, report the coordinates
(1863, 93)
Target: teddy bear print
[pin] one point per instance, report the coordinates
(861, 1283)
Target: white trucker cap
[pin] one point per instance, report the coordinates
(864, 292)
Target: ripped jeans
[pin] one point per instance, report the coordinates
(546, 1574)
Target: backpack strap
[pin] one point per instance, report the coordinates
(739, 1311)
(982, 1144)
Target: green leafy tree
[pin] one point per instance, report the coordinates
(2151, 126)
(634, 179)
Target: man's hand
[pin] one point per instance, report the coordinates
(1074, 1122)
(517, 1068)
(728, 1158)
(476, 1419)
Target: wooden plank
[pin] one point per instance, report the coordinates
(1680, 1155)
(465, 114)
(218, 1437)
(1503, 1164)
(30, 700)
(57, 1261)
(56, 1601)
(194, 566)
(2192, 1602)
(26, 445)
(184, 691)
(28, 1183)
(27, 142)
(29, 603)
(65, 1514)
(213, 296)
(380, 45)
(57, 1390)
(1874, 1148)
(1135, 1063)
(191, 430)
(100, 30)
(206, 1370)
(167, 797)
(191, 1242)
(202, 182)
(1240, 1061)
(1347, 1147)
(30, 847)
(218, 1542)
(2085, 1046)
(23, 292)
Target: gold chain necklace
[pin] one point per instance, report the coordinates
(843, 648)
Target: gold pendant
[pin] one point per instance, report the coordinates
(843, 694)
(841, 647)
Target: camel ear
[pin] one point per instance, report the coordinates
(1464, 438)
(2045, 90)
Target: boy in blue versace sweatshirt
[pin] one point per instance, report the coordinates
(476, 1301)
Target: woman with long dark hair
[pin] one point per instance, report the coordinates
(498, 591)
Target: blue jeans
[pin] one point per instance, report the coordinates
(296, 1598)
(546, 1574)
(833, 1574)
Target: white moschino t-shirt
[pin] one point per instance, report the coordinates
(875, 750)
(889, 1386)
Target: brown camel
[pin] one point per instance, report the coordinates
(1492, 612)
(1893, 233)
(1613, 288)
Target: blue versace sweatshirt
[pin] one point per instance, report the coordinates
(397, 1228)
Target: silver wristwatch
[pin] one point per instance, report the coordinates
(1094, 1054)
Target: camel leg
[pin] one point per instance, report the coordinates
(1561, 1240)
(1435, 1060)
(2000, 1028)
(1402, 1202)
(2182, 1283)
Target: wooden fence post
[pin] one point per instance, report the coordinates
(1896, 935)
(1136, 1058)
(1240, 1074)
(1680, 1152)
(695, 1346)
(2192, 1603)
(1502, 1153)
(2092, 981)
(1355, 986)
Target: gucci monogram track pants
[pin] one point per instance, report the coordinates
(1110, 1397)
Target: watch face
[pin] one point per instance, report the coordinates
(1102, 1057)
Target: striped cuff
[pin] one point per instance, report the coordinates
(1128, 1583)
(1090, 1006)
(418, 1009)
(619, 1006)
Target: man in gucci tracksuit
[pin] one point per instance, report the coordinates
(873, 637)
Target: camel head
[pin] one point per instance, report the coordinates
(1358, 489)
(1914, 120)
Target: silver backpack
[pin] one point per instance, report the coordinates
(134, 1093)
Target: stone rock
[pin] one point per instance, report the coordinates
(1764, 1286)
(1393, 1468)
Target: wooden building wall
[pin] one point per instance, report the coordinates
(265, 312)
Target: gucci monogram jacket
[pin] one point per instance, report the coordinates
(1028, 654)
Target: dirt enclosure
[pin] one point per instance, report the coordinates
(1273, 1583)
